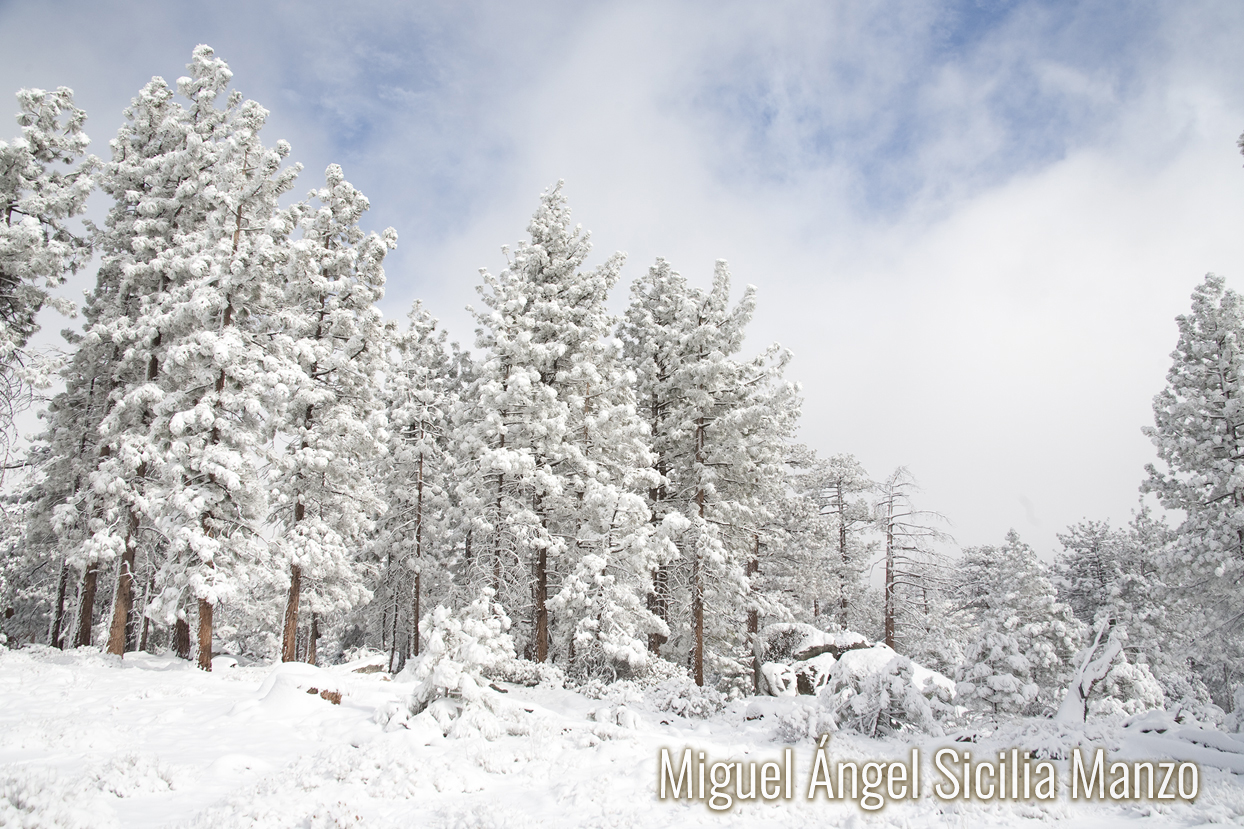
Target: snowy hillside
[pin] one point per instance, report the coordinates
(90, 741)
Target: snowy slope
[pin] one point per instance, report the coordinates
(91, 741)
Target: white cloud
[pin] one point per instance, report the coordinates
(974, 237)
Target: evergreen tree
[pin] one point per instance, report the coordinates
(414, 537)
(212, 328)
(1023, 639)
(839, 487)
(553, 447)
(44, 182)
(329, 328)
(1199, 434)
(721, 428)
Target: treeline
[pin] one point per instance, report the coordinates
(246, 457)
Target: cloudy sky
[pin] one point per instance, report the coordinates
(972, 222)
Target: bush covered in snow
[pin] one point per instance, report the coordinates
(876, 692)
(450, 687)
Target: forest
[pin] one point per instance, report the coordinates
(239, 456)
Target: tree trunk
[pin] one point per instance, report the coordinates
(87, 606)
(289, 640)
(697, 616)
(415, 635)
(419, 552)
(313, 638)
(753, 570)
(542, 610)
(393, 636)
(658, 605)
(697, 564)
(181, 637)
(205, 635)
(842, 552)
(145, 638)
(889, 576)
(58, 612)
(124, 602)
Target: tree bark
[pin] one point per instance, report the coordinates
(697, 564)
(205, 635)
(289, 643)
(889, 575)
(58, 613)
(124, 602)
(658, 605)
(145, 639)
(181, 637)
(312, 638)
(416, 634)
(542, 608)
(87, 606)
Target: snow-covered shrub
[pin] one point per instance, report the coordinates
(1235, 720)
(678, 694)
(876, 692)
(1128, 688)
(450, 686)
(996, 675)
(804, 719)
(525, 672)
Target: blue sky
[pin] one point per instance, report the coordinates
(973, 222)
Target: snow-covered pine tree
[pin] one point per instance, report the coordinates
(553, 444)
(211, 331)
(44, 182)
(1023, 639)
(722, 427)
(838, 485)
(420, 391)
(1199, 434)
(652, 330)
(62, 502)
(332, 419)
(160, 149)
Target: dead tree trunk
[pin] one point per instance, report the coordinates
(889, 575)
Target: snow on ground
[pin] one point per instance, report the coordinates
(88, 740)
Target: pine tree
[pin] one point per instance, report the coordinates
(211, 330)
(1023, 640)
(553, 446)
(44, 182)
(838, 486)
(414, 536)
(720, 429)
(333, 421)
(1199, 434)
